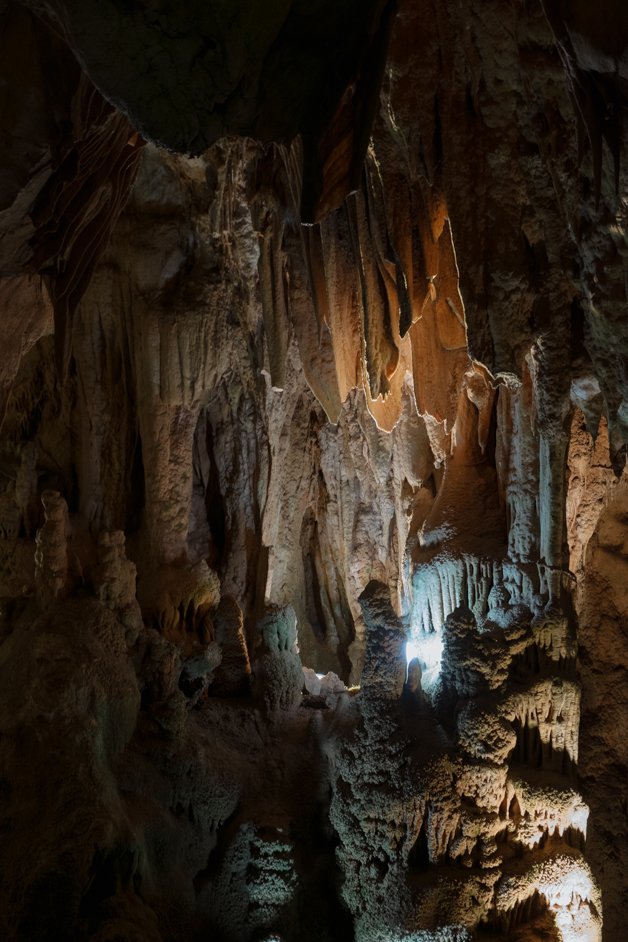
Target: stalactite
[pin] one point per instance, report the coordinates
(351, 464)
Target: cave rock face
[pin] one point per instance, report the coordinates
(313, 537)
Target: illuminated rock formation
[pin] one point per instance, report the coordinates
(313, 494)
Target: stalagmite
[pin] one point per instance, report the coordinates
(383, 673)
(115, 581)
(313, 500)
(278, 674)
(233, 675)
(51, 555)
(26, 488)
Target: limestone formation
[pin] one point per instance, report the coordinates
(384, 671)
(278, 674)
(313, 500)
(180, 601)
(26, 488)
(51, 555)
(114, 581)
(233, 675)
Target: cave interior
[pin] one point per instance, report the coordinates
(313, 488)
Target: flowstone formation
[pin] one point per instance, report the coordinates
(313, 495)
(466, 816)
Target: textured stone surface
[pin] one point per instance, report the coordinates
(250, 468)
(603, 749)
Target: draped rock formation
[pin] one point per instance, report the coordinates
(314, 412)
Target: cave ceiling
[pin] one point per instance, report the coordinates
(313, 501)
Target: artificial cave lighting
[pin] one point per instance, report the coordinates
(427, 648)
(313, 488)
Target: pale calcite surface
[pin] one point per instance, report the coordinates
(312, 538)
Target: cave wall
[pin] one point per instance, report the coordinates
(312, 536)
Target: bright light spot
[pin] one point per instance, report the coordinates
(320, 676)
(428, 649)
(413, 649)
